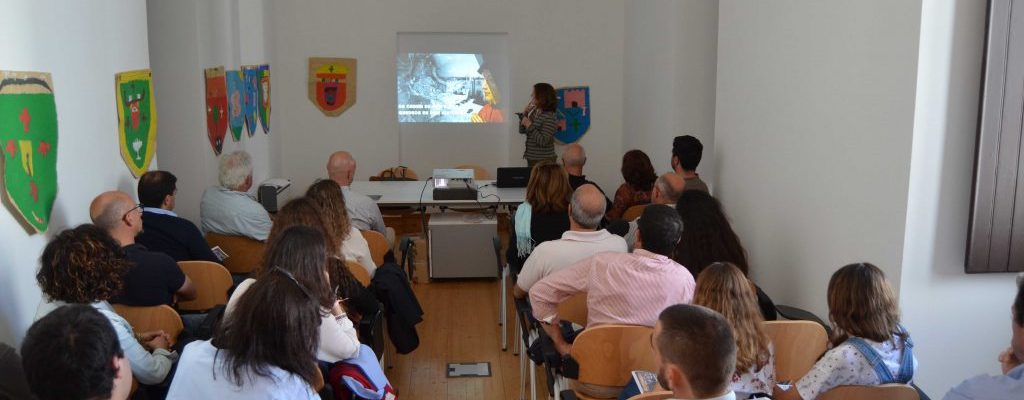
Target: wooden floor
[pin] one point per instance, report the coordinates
(460, 324)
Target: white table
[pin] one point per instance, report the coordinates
(414, 193)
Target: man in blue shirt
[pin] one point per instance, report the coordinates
(228, 209)
(162, 229)
(1010, 385)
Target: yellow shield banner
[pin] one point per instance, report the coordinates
(136, 119)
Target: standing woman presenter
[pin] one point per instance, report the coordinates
(537, 122)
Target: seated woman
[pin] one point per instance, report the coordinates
(708, 238)
(327, 196)
(301, 251)
(84, 265)
(866, 326)
(544, 215)
(639, 175)
(266, 348)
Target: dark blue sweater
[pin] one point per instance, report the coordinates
(174, 236)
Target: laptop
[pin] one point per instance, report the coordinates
(513, 177)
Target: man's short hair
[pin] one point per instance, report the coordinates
(667, 190)
(587, 217)
(234, 168)
(688, 150)
(154, 186)
(69, 353)
(111, 215)
(574, 158)
(660, 229)
(700, 342)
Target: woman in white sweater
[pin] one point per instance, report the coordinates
(327, 195)
(338, 337)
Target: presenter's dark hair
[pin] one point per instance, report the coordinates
(688, 150)
(708, 237)
(82, 265)
(699, 341)
(548, 189)
(660, 228)
(638, 171)
(545, 97)
(154, 186)
(69, 353)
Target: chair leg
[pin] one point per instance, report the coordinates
(522, 377)
(533, 380)
(503, 311)
(518, 345)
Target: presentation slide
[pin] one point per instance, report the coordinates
(447, 88)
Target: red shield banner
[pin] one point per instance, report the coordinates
(216, 108)
(332, 84)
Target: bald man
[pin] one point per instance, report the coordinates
(362, 210)
(574, 157)
(667, 190)
(154, 278)
(582, 240)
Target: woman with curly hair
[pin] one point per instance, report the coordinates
(638, 172)
(84, 265)
(326, 194)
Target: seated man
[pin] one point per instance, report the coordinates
(228, 209)
(686, 154)
(162, 229)
(154, 278)
(621, 288)
(1011, 383)
(574, 157)
(74, 353)
(667, 190)
(582, 240)
(363, 212)
(696, 353)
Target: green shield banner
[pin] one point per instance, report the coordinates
(136, 119)
(28, 136)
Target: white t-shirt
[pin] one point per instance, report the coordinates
(551, 256)
(355, 248)
(202, 375)
(845, 365)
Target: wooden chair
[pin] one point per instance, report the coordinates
(154, 318)
(479, 173)
(633, 212)
(608, 354)
(887, 392)
(659, 395)
(244, 253)
(798, 345)
(212, 282)
(378, 246)
(358, 271)
(574, 309)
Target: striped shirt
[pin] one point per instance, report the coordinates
(540, 136)
(622, 288)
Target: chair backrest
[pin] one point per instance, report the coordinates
(479, 173)
(212, 282)
(244, 253)
(608, 354)
(633, 212)
(887, 392)
(798, 345)
(378, 246)
(358, 271)
(153, 318)
(659, 395)
(574, 309)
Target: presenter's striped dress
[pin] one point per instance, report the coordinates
(540, 137)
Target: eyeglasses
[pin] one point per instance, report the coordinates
(137, 207)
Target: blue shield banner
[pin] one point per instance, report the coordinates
(236, 102)
(573, 113)
(250, 96)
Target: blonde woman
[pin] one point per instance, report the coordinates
(327, 195)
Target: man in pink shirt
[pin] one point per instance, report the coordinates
(622, 288)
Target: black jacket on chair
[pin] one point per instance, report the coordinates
(401, 309)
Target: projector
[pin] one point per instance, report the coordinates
(454, 184)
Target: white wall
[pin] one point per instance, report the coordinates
(577, 42)
(814, 115)
(959, 322)
(71, 40)
(188, 36)
(670, 63)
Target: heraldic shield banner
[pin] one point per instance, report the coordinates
(264, 98)
(216, 108)
(332, 84)
(236, 98)
(136, 119)
(251, 76)
(28, 134)
(573, 113)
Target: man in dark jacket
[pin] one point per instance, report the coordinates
(162, 229)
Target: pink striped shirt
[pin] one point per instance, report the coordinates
(622, 288)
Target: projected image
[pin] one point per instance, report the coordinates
(452, 88)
